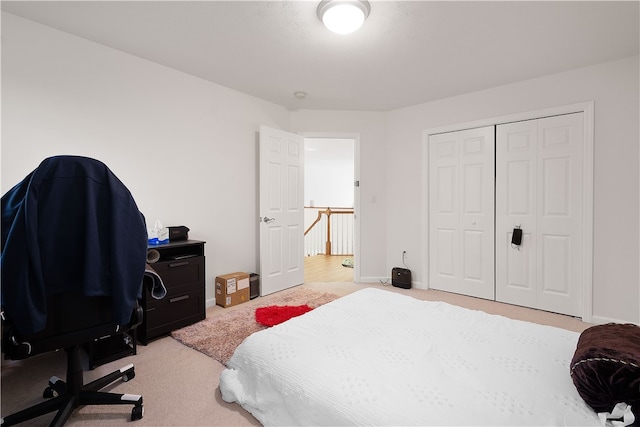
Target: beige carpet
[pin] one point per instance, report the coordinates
(219, 335)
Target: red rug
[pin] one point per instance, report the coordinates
(276, 314)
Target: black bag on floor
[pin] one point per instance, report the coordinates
(401, 278)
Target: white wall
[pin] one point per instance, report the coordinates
(186, 148)
(328, 172)
(614, 88)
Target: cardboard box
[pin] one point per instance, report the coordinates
(232, 289)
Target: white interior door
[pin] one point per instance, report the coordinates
(539, 189)
(461, 212)
(281, 210)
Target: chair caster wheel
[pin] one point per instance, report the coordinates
(129, 376)
(56, 388)
(137, 412)
(48, 393)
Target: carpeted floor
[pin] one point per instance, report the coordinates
(219, 335)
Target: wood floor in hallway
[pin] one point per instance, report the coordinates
(327, 268)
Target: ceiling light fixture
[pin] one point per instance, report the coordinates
(343, 16)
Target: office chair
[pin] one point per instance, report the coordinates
(73, 258)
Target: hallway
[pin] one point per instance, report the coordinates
(323, 268)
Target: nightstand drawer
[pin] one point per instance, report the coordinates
(172, 309)
(181, 272)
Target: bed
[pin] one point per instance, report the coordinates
(376, 357)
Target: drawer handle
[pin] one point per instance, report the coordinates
(176, 299)
(178, 264)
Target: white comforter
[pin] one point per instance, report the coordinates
(379, 358)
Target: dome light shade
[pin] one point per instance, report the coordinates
(343, 16)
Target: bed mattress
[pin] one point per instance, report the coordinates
(376, 357)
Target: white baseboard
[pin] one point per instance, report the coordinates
(420, 285)
(377, 280)
(601, 320)
(387, 281)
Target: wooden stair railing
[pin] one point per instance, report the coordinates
(328, 212)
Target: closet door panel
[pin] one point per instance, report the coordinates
(445, 266)
(518, 274)
(539, 189)
(560, 147)
(555, 267)
(461, 204)
(516, 165)
(472, 258)
(444, 221)
(477, 167)
(519, 187)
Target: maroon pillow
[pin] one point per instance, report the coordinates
(606, 367)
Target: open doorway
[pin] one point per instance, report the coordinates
(330, 208)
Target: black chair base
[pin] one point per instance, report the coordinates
(65, 397)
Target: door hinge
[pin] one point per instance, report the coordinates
(356, 183)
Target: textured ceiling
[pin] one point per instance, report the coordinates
(407, 52)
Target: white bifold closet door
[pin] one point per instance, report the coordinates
(539, 189)
(461, 206)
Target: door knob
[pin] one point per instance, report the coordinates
(267, 219)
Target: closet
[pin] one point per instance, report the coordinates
(486, 184)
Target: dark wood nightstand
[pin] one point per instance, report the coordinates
(182, 269)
